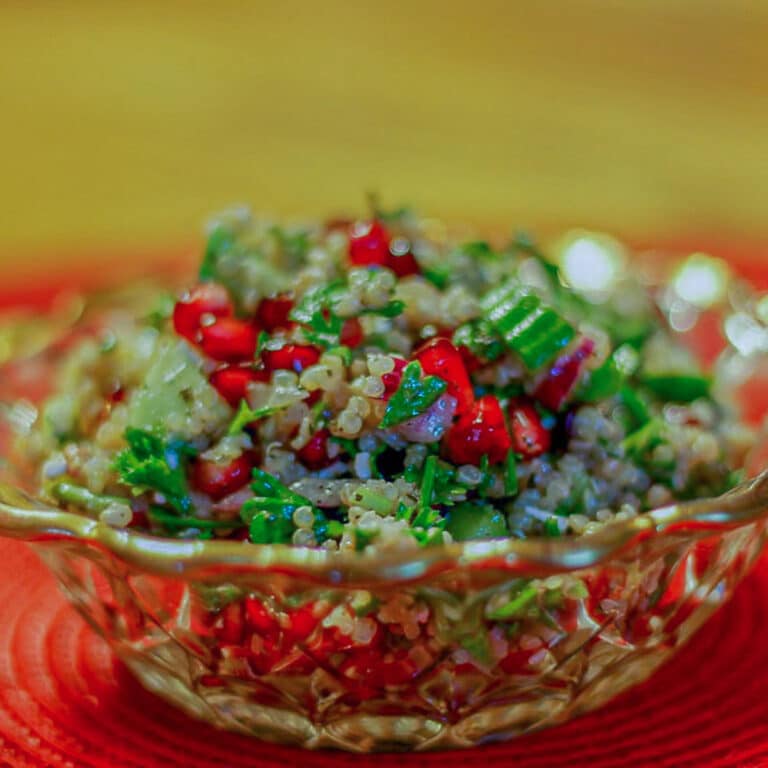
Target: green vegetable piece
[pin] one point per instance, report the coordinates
(246, 415)
(678, 388)
(428, 480)
(414, 395)
(479, 338)
(151, 464)
(270, 528)
(472, 520)
(479, 250)
(510, 474)
(517, 606)
(535, 332)
(269, 516)
(604, 382)
(219, 241)
(345, 353)
(636, 406)
(645, 439)
(437, 275)
(84, 498)
(174, 389)
(363, 538)
(316, 312)
(176, 522)
(391, 309)
(551, 527)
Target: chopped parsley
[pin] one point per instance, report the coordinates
(151, 464)
(246, 415)
(269, 515)
(220, 240)
(413, 397)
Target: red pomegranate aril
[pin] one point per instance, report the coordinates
(229, 340)
(403, 265)
(392, 379)
(351, 333)
(291, 357)
(471, 362)
(204, 299)
(562, 378)
(303, 621)
(259, 617)
(230, 624)
(369, 244)
(530, 437)
(481, 431)
(232, 382)
(314, 454)
(219, 480)
(272, 313)
(438, 357)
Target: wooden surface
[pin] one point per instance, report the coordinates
(125, 123)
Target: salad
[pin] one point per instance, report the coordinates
(366, 385)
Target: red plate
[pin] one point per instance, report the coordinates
(66, 701)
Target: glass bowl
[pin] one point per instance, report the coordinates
(450, 647)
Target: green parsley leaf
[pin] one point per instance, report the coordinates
(151, 464)
(246, 415)
(515, 608)
(478, 250)
(390, 309)
(363, 538)
(220, 240)
(316, 313)
(510, 474)
(414, 395)
(175, 522)
(269, 516)
(679, 388)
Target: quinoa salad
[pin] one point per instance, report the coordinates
(368, 385)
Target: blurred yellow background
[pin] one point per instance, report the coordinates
(125, 123)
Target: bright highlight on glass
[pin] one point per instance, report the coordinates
(591, 262)
(702, 280)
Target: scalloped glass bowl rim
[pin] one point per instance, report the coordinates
(23, 517)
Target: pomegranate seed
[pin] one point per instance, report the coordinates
(480, 431)
(403, 264)
(219, 480)
(229, 340)
(314, 397)
(351, 333)
(291, 357)
(259, 616)
(369, 245)
(439, 357)
(314, 455)
(471, 362)
(529, 436)
(393, 378)
(554, 390)
(231, 624)
(303, 622)
(204, 299)
(273, 312)
(232, 382)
